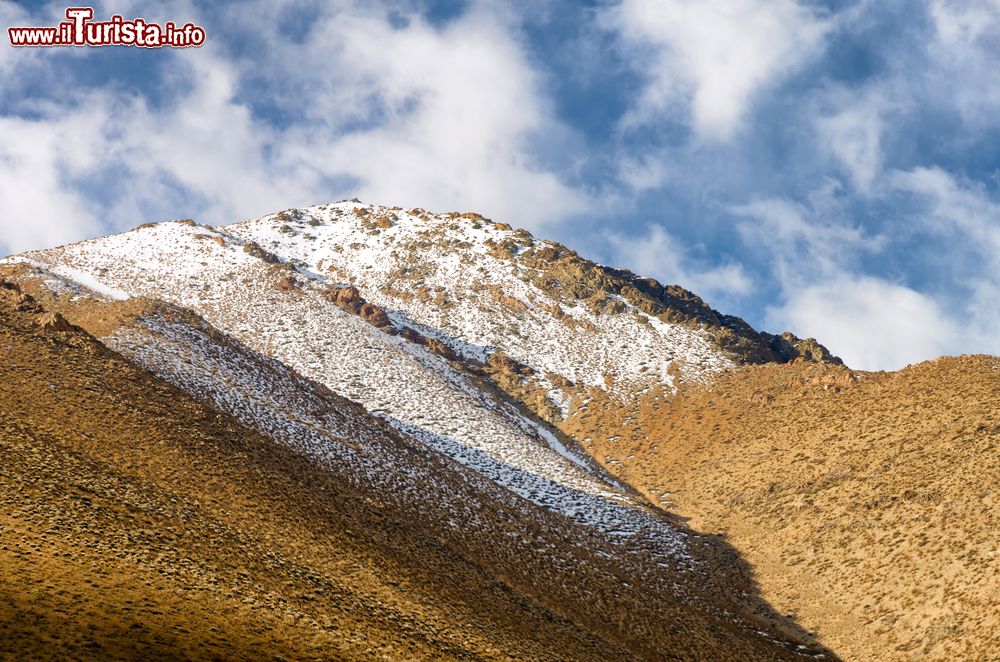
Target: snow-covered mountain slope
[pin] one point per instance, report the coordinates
(259, 300)
(479, 298)
(480, 286)
(323, 530)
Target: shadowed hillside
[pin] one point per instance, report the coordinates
(472, 396)
(138, 522)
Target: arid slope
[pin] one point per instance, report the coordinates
(867, 504)
(138, 522)
(556, 419)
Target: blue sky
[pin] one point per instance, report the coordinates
(832, 168)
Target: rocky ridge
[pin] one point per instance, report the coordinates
(476, 355)
(259, 337)
(295, 523)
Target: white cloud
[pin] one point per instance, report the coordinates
(208, 144)
(873, 322)
(852, 132)
(804, 242)
(964, 21)
(965, 222)
(643, 173)
(964, 69)
(951, 76)
(955, 207)
(11, 14)
(38, 207)
(870, 323)
(460, 111)
(713, 55)
(659, 255)
(417, 115)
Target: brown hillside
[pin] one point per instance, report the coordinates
(867, 504)
(137, 523)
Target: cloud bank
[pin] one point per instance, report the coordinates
(825, 167)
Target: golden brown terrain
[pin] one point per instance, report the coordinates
(866, 504)
(136, 522)
(818, 506)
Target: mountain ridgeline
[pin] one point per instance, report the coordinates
(360, 431)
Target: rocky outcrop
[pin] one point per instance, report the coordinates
(374, 316)
(54, 322)
(562, 273)
(348, 298)
(505, 299)
(792, 348)
(11, 295)
(255, 250)
(433, 344)
(499, 363)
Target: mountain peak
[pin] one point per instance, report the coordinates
(491, 393)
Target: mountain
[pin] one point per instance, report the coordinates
(406, 434)
(142, 522)
(139, 522)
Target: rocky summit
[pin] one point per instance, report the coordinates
(360, 432)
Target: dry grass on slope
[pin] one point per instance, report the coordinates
(590, 592)
(137, 523)
(868, 508)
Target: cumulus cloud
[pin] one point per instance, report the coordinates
(368, 102)
(656, 253)
(872, 324)
(39, 158)
(713, 56)
(447, 117)
(207, 146)
(463, 105)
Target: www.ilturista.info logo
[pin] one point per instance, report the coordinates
(80, 30)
